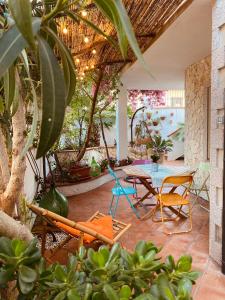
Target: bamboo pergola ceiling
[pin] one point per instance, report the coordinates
(150, 18)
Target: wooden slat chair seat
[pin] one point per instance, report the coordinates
(83, 231)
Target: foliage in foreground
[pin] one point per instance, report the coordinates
(114, 274)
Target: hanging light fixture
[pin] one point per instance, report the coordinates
(65, 30)
(86, 39)
(86, 67)
(94, 51)
(77, 60)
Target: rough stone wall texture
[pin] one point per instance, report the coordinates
(217, 110)
(197, 83)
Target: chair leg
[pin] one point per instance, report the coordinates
(110, 207)
(133, 208)
(115, 207)
(202, 206)
(183, 231)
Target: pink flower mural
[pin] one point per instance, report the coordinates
(153, 98)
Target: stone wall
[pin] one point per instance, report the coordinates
(197, 85)
(217, 128)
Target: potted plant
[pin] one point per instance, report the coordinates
(103, 274)
(160, 146)
(155, 166)
(80, 170)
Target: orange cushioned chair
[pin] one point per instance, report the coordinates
(171, 199)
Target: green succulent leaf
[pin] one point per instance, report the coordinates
(184, 287)
(53, 98)
(12, 43)
(125, 292)
(184, 263)
(25, 287)
(60, 273)
(6, 246)
(88, 291)
(72, 294)
(61, 296)
(110, 292)
(6, 275)
(27, 274)
(21, 12)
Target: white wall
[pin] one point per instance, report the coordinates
(30, 183)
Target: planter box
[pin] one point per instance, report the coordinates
(80, 172)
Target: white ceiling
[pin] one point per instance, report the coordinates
(186, 41)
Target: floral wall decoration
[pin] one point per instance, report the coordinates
(148, 98)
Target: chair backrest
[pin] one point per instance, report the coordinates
(113, 174)
(204, 166)
(177, 181)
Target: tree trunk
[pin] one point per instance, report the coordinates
(104, 139)
(4, 161)
(15, 185)
(93, 106)
(13, 229)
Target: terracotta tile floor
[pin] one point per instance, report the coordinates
(211, 284)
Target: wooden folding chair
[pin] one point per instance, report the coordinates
(52, 222)
(171, 199)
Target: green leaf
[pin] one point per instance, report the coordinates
(53, 98)
(165, 288)
(33, 130)
(9, 87)
(97, 296)
(24, 286)
(184, 263)
(12, 43)
(88, 291)
(27, 274)
(61, 296)
(18, 246)
(184, 287)
(6, 246)
(72, 294)
(21, 12)
(110, 292)
(2, 107)
(6, 275)
(109, 9)
(125, 292)
(60, 273)
(141, 248)
(170, 264)
(69, 68)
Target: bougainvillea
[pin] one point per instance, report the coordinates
(152, 98)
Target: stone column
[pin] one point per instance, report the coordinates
(217, 127)
(121, 125)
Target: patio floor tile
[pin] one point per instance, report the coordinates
(210, 285)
